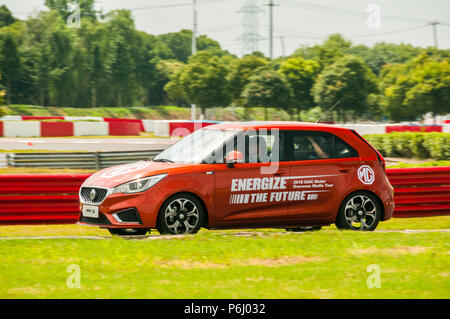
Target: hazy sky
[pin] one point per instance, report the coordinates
(298, 21)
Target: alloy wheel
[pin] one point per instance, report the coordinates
(360, 212)
(181, 216)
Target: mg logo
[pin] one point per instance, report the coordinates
(92, 194)
(366, 175)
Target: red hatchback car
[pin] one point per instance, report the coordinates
(291, 175)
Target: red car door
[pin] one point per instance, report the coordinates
(243, 193)
(322, 169)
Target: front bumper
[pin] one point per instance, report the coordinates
(119, 210)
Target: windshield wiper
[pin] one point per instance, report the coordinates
(163, 160)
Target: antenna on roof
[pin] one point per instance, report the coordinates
(331, 108)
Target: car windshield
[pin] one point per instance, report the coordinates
(195, 147)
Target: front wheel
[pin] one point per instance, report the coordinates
(359, 211)
(180, 214)
(129, 231)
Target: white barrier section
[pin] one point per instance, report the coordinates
(11, 118)
(3, 160)
(446, 128)
(364, 129)
(148, 125)
(21, 129)
(83, 118)
(91, 128)
(161, 128)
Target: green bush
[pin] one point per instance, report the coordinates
(2, 111)
(411, 144)
(438, 145)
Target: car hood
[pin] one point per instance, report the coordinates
(116, 175)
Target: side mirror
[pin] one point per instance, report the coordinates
(233, 157)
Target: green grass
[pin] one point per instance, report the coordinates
(425, 164)
(122, 112)
(222, 264)
(156, 112)
(423, 223)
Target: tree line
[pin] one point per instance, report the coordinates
(108, 62)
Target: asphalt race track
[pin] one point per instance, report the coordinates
(86, 144)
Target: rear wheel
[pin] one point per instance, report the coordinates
(359, 211)
(128, 231)
(304, 228)
(180, 214)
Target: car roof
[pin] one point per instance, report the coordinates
(286, 125)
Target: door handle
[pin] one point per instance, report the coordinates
(344, 170)
(279, 173)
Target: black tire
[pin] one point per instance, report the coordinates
(174, 214)
(129, 231)
(304, 228)
(359, 211)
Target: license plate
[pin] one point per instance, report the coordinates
(90, 211)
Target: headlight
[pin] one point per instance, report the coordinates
(138, 185)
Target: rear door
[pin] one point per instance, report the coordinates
(321, 168)
(243, 193)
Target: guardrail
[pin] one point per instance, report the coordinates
(40, 198)
(94, 160)
(53, 198)
(421, 191)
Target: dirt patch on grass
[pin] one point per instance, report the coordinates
(267, 262)
(403, 250)
(25, 291)
(281, 261)
(189, 264)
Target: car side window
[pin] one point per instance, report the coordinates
(319, 145)
(260, 146)
(343, 150)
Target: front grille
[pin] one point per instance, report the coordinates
(100, 194)
(101, 220)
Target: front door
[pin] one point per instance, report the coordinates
(246, 194)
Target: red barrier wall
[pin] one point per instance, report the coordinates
(40, 198)
(57, 129)
(421, 191)
(124, 128)
(114, 120)
(413, 128)
(1, 128)
(52, 198)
